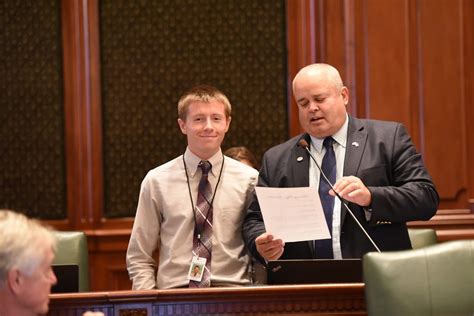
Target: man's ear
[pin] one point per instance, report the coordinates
(182, 126)
(228, 123)
(14, 280)
(345, 95)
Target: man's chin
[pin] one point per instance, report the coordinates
(316, 132)
(43, 309)
(211, 146)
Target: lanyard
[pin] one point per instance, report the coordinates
(198, 230)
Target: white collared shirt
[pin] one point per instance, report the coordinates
(318, 151)
(164, 223)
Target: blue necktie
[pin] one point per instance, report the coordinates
(323, 247)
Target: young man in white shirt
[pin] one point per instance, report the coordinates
(166, 218)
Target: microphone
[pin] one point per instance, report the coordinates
(304, 144)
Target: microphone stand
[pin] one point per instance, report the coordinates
(303, 143)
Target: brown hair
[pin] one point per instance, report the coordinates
(202, 93)
(242, 153)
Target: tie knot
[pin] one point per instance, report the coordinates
(205, 166)
(328, 142)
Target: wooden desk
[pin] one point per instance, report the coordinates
(107, 247)
(324, 299)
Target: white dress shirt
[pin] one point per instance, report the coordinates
(164, 223)
(318, 151)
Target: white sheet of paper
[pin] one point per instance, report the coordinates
(293, 214)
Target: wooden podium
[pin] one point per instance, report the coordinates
(322, 299)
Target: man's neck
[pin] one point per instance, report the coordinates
(203, 155)
(10, 307)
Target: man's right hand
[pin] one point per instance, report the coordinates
(268, 247)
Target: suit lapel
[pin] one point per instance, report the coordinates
(355, 146)
(299, 165)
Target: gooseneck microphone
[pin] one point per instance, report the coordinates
(304, 144)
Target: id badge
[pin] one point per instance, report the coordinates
(196, 269)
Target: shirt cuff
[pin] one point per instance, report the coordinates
(368, 214)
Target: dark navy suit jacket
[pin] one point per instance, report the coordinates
(387, 163)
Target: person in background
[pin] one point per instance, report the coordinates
(26, 254)
(27, 250)
(372, 164)
(244, 155)
(191, 209)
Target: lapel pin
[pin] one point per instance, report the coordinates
(299, 159)
(356, 144)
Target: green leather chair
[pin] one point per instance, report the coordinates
(422, 237)
(72, 249)
(435, 280)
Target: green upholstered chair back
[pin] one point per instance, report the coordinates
(422, 237)
(72, 249)
(435, 280)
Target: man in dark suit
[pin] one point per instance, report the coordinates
(377, 171)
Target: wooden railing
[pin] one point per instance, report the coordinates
(450, 224)
(324, 299)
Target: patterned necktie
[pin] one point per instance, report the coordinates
(323, 247)
(202, 241)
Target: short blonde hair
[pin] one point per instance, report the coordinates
(23, 243)
(202, 93)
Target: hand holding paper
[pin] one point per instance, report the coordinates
(269, 247)
(293, 214)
